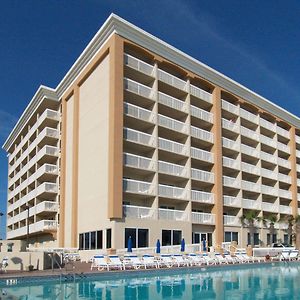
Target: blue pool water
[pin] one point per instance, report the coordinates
(280, 281)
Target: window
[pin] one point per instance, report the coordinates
(271, 238)
(87, 241)
(90, 240)
(139, 237)
(81, 246)
(99, 239)
(171, 237)
(93, 240)
(256, 239)
(108, 238)
(286, 239)
(231, 236)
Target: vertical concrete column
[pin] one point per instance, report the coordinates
(293, 172)
(218, 167)
(115, 165)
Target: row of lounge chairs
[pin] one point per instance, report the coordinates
(132, 261)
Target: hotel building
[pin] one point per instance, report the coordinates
(140, 139)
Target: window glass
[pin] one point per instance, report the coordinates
(130, 232)
(256, 238)
(227, 236)
(143, 238)
(274, 238)
(81, 246)
(176, 237)
(235, 237)
(99, 239)
(87, 241)
(108, 238)
(93, 240)
(166, 237)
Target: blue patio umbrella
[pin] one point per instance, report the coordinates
(129, 244)
(182, 245)
(204, 245)
(158, 246)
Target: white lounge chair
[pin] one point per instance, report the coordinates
(209, 260)
(241, 258)
(180, 261)
(195, 260)
(220, 259)
(115, 262)
(229, 258)
(149, 261)
(294, 255)
(4, 264)
(166, 260)
(99, 262)
(285, 255)
(132, 261)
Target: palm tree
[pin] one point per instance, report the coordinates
(271, 220)
(248, 219)
(297, 230)
(289, 220)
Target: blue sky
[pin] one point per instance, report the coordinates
(256, 43)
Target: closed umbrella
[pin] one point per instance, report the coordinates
(182, 248)
(158, 246)
(129, 244)
(204, 245)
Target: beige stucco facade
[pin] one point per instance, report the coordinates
(152, 148)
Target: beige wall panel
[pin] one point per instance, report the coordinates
(69, 171)
(93, 149)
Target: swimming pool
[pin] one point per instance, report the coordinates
(272, 281)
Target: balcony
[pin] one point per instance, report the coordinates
(201, 175)
(297, 139)
(283, 132)
(269, 190)
(171, 80)
(201, 94)
(172, 124)
(202, 155)
(250, 186)
(251, 204)
(202, 197)
(268, 157)
(203, 218)
(139, 162)
(38, 227)
(231, 163)
(284, 178)
(138, 187)
(249, 168)
(172, 102)
(232, 201)
(284, 148)
(249, 150)
(249, 116)
(268, 141)
(139, 137)
(139, 113)
(298, 153)
(269, 174)
(298, 168)
(283, 209)
(230, 107)
(270, 207)
(284, 194)
(172, 169)
(202, 114)
(138, 65)
(172, 215)
(230, 144)
(202, 134)
(230, 125)
(231, 182)
(249, 133)
(231, 220)
(172, 192)
(172, 146)
(138, 88)
(138, 212)
(283, 163)
(267, 124)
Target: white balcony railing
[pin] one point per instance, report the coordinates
(268, 174)
(201, 114)
(283, 132)
(230, 107)
(138, 88)
(138, 187)
(138, 64)
(270, 207)
(283, 162)
(249, 168)
(171, 192)
(249, 133)
(139, 137)
(285, 194)
(201, 94)
(231, 220)
(203, 218)
(249, 116)
(297, 139)
(171, 80)
(284, 148)
(285, 178)
(139, 112)
(230, 144)
(138, 212)
(172, 102)
(232, 201)
(202, 197)
(140, 162)
(202, 175)
(172, 146)
(283, 209)
(251, 204)
(172, 169)
(249, 150)
(231, 182)
(202, 134)
(268, 157)
(267, 124)
(250, 186)
(172, 124)
(268, 141)
(269, 190)
(202, 155)
(231, 163)
(172, 215)
(230, 125)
